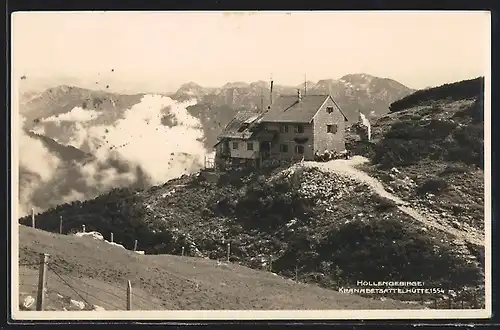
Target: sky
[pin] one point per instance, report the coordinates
(159, 51)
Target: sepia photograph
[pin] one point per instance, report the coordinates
(250, 165)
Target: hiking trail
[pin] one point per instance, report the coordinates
(348, 168)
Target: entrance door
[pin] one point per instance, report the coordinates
(265, 149)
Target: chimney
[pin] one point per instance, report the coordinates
(299, 96)
(271, 93)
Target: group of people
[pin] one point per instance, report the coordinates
(327, 155)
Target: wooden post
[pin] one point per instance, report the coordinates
(270, 263)
(296, 273)
(112, 238)
(462, 302)
(182, 251)
(129, 295)
(33, 218)
(83, 228)
(449, 302)
(435, 303)
(42, 279)
(135, 245)
(60, 224)
(228, 251)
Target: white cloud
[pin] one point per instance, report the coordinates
(77, 114)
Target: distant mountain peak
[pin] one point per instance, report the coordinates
(358, 78)
(237, 84)
(358, 75)
(190, 85)
(260, 84)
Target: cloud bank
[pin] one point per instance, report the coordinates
(139, 149)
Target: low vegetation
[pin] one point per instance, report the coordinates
(430, 151)
(455, 91)
(452, 139)
(332, 230)
(432, 185)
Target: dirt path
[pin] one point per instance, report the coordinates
(348, 167)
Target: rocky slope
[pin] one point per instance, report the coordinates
(328, 228)
(431, 151)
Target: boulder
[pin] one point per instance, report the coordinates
(76, 305)
(27, 303)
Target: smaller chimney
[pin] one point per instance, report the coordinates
(271, 93)
(299, 96)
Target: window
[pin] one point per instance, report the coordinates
(235, 145)
(284, 128)
(329, 109)
(299, 129)
(250, 146)
(284, 148)
(331, 129)
(299, 149)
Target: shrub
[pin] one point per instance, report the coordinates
(432, 185)
(455, 91)
(363, 148)
(361, 250)
(475, 112)
(384, 204)
(455, 168)
(398, 152)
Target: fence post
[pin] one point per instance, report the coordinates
(135, 245)
(33, 217)
(129, 295)
(228, 251)
(270, 263)
(42, 279)
(60, 224)
(296, 273)
(112, 238)
(182, 252)
(83, 228)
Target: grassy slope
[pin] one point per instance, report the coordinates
(169, 282)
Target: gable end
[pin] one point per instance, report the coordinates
(322, 104)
